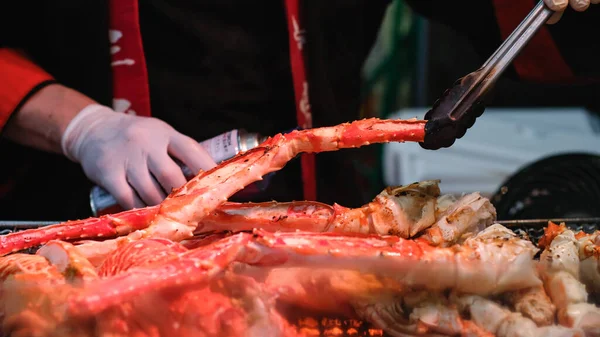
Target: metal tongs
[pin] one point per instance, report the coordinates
(459, 106)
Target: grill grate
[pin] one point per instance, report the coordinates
(330, 327)
(534, 229)
(563, 186)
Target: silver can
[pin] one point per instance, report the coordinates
(220, 148)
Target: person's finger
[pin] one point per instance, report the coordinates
(555, 18)
(166, 172)
(146, 187)
(595, 2)
(579, 5)
(117, 186)
(557, 5)
(191, 153)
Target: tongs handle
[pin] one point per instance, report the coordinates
(459, 106)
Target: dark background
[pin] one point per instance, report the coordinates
(451, 56)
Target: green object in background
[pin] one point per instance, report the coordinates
(390, 73)
(390, 82)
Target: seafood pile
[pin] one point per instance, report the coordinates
(413, 262)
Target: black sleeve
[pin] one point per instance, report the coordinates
(473, 19)
(575, 36)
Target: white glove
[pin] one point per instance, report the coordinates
(559, 7)
(130, 156)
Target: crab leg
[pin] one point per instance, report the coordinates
(204, 193)
(588, 251)
(402, 211)
(405, 211)
(503, 323)
(184, 208)
(195, 267)
(103, 227)
(229, 302)
(492, 262)
(534, 303)
(561, 269)
(589, 254)
(69, 261)
(179, 215)
(468, 215)
(139, 254)
(271, 216)
(30, 293)
(479, 266)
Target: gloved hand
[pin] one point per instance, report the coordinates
(130, 156)
(559, 7)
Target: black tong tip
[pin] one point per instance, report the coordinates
(447, 120)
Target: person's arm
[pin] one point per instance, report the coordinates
(44, 117)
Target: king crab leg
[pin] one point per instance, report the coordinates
(588, 249)
(589, 254)
(404, 211)
(179, 214)
(507, 266)
(69, 261)
(501, 322)
(469, 215)
(32, 290)
(106, 226)
(139, 254)
(534, 304)
(561, 269)
(229, 305)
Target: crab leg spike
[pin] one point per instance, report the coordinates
(102, 227)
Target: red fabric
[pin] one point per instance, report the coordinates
(303, 111)
(541, 59)
(131, 91)
(19, 77)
